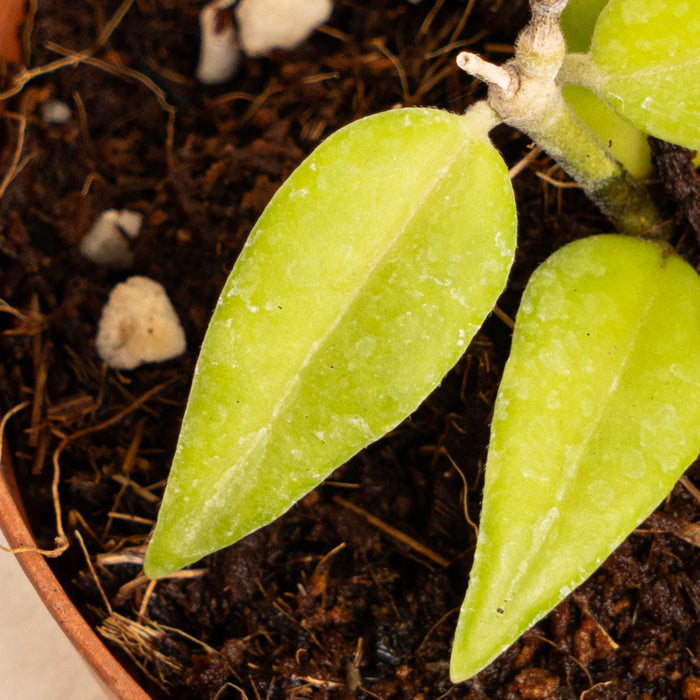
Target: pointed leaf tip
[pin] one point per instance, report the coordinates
(595, 420)
(360, 286)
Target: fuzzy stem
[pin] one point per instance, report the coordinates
(525, 93)
(579, 69)
(483, 117)
(606, 182)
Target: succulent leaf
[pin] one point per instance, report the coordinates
(648, 56)
(360, 286)
(596, 418)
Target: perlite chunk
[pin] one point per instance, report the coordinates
(138, 325)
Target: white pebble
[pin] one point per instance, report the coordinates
(269, 24)
(107, 241)
(55, 112)
(218, 47)
(138, 325)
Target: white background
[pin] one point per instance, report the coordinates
(36, 661)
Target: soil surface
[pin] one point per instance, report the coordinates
(327, 602)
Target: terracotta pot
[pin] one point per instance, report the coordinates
(113, 677)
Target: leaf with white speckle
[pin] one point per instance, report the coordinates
(596, 418)
(359, 288)
(648, 56)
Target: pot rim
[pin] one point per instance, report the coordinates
(112, 676)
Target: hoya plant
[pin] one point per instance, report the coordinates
(374, 265)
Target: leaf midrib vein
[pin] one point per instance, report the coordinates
(264, 432)
(541, 549)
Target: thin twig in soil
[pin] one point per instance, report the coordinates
(141, 581)
(74, 516)
(141, 615)
(465, 492)
(227, 685)
(105, 600)
(563, 651)
(16, 166)
(393, 532)
(84, 129)
(593, 687)
(691, 488)
(407, 98)
(27, 31)
(5, 420)
(499, 48)
(503, 316)
(440, 622)
(184, 635)
(438, 70)
(71, 410)
(281, 606)
(606, 635)
(139, 490)
(112, 24)
(41, 356)
(451, 48)
(462, 20)
(133, 449)
(72, 58)
(127, 466)
(118, 69)
(318, 682)
(425, 26)
(321, 566)
(26, 76)
(524, 162)
(140, 642)
(333, 32)
(665, 523)
(131, 518)
(272, 88)
(122, 414)
(559, 184)
(61, 541)
(40, 450)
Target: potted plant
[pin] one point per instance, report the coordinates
(369, 571)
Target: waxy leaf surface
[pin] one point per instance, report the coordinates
(359, 288)
(596, 418)
(648, 56)
(626, 143)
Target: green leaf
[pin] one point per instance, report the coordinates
(648, 56)
(626, 143)
(359, 288)
(597, 416)
(578, 22)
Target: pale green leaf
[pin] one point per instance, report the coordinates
(597, 416)
(359, 288)
(578, 22)
(626, 143)
(648, 55)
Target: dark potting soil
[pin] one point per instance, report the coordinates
(355, 592)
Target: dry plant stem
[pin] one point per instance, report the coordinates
(525, 94)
